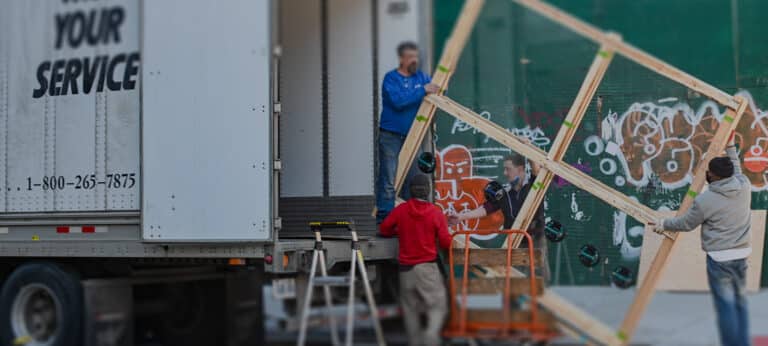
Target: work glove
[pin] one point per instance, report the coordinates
(658, 227)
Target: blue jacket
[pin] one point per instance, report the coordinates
(401, 97)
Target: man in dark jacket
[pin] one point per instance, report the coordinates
(510, 199)
(421, 227)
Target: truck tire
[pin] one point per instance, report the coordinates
(41, 305)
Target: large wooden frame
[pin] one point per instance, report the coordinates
(552, 163)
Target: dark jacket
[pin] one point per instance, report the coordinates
(510, 205)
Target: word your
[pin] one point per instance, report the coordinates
(79, 75)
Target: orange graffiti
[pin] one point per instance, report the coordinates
(457, 190)
(669, 141)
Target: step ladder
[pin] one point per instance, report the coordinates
(357, 263)
(519, 317)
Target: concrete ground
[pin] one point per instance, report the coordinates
(671, 319)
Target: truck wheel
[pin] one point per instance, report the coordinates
(41, 305)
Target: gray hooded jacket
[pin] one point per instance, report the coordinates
(723, 212)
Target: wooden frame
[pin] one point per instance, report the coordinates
(552, 163)
(443, 72)
(563, 140)
(442, 75)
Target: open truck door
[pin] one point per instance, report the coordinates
(206, 120)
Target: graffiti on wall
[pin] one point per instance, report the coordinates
(459, 190)
(534, 134)
(651, 144)
(658, 141)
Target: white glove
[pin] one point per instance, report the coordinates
(658, 227)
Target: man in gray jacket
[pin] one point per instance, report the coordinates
(723, 212)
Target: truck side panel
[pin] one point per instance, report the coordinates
(70, 114)
(206, 121)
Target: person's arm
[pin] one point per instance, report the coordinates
(399, 97)
(537, 226)
(730, 150)
(477, 213)
(443, 236)
(535, 167)
(388, 227)
(687, 222)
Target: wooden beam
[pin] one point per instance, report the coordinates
(517, 286)
(562, 141)
(629, 51)
(577, 319)
(497, 316)
(646, 289)
(496, 257)
(443, 72)
(573, 175)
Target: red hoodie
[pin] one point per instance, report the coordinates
(419, 224)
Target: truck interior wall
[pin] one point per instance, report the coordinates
(350, 98)
(335, 54)
(301, 93)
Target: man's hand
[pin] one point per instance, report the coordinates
(453, 219)
(431, 88)
(535, 167)
(658, 227)
(732, 139)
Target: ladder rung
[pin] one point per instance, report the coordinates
(332, 281)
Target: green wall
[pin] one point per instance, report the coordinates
(524, 72)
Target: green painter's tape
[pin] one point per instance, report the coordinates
(442, 68)
(421, 118)
(604, 53)
(691, 193)
(568, 124)
(621, 336)
(728, 118)
(537, 186)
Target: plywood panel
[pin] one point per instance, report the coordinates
(686, 270)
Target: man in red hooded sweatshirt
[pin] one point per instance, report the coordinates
(421, 227)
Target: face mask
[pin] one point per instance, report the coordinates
(514, 182)
(413, 67)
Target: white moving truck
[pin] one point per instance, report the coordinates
(147, 146)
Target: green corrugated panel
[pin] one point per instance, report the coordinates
(523, 70)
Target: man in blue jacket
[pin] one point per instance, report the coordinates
(401, 94)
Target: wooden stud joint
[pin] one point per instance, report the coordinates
(604, 53)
